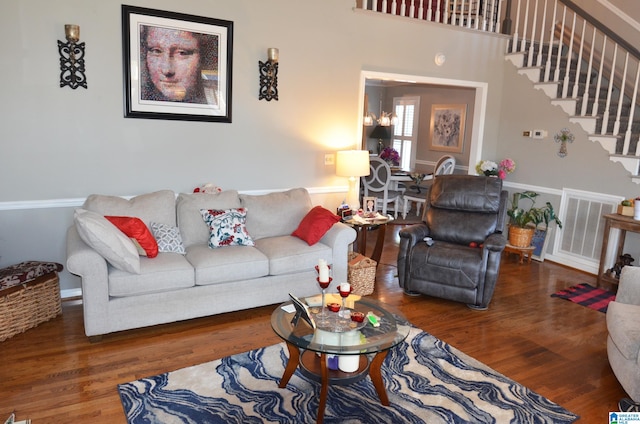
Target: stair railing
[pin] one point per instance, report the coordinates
(588, 61)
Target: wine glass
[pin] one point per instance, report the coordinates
(323, 317)
(345, 290)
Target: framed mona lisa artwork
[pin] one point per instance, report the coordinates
(176, 66)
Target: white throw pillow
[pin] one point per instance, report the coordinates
(106, 239)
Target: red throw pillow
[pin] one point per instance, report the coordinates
(135, 229)
(315, 225)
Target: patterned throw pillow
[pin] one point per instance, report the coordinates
(227, 227)
(168, 238)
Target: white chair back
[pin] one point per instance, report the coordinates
(377, 184)
(445, 165)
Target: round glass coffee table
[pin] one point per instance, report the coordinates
(340, 351)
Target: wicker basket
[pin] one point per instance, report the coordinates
(520, 237)
(361, 274)
(24, 306)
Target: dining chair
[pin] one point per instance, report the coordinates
(444, 166)
(378, 184)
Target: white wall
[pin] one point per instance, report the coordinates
(59, 145)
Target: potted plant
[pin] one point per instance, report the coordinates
(523, 223)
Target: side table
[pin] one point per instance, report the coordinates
(361, 240)
(624, 224)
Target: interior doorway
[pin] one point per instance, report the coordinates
(423, 158)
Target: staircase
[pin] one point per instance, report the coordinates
(581, 65)
(593, 93)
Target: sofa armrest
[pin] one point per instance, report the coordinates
(629, 286)
(92, 268)
(339, 237)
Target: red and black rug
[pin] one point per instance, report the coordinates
(587, 295)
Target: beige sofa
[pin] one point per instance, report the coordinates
(623, 324)
(203, 281)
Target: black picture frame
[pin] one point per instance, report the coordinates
(158, 93)
(302, 311)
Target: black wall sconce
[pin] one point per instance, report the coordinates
(269, 76)
(72, 59)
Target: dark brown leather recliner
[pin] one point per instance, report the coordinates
(460, 209)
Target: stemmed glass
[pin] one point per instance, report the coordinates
(345, 290)
(323, 316)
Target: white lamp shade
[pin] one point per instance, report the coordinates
(352, 163)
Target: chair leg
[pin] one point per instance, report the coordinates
(418, 206)
(405, 208)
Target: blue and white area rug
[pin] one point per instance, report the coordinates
(427, 381)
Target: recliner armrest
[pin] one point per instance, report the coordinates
(496, 242)
(415, 233)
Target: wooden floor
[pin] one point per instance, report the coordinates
(53, 374)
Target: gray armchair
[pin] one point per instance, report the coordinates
(623, 342)
(460, 210)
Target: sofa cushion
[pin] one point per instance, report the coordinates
(166, 272)
(106, 239)
(289, 254)
(233, 263)
(315, 224)
(623, 323)
(227, 227)
(168, 238)
(159, 206)
(275, 214)
(138, 232)
(192, 227)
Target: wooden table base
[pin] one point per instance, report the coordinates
(317, 366)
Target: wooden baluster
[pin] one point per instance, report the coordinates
(574, 93)
(596, 100)
(445, 12)
(627, 134)
(384, 6)
(495, 17)
(421, 10)
(541, 43)
(452, 9)
(605, 117)
(403, 7)
(514, 45)
(623, 84)
(412, 9)
(523, 42)
(547, 71)
(394, 5)
(556, 76)
(585, 96)
(489, 5)
(567, 71)
(533, 36)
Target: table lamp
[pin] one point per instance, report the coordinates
(352, 164)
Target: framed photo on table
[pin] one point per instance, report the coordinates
(176, 66)
(447, 127)
(369, 204)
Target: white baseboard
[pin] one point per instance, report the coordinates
(70, 293)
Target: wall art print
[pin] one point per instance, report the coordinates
(176, 66)
(447, 127)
